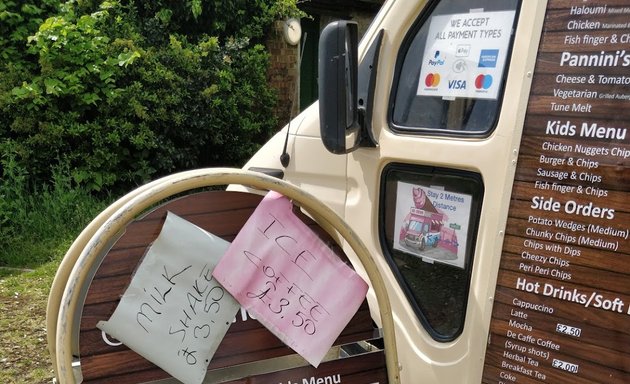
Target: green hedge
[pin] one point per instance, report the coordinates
(119, 92)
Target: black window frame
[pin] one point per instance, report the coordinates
(425, 16)
(385, 222)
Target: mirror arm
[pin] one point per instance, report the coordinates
(367, 138)
(366, 85)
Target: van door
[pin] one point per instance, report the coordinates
(449, 104)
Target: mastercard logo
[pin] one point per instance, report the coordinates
(483, 82)
(432, 80)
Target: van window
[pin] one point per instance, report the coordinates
(428, 226)
(452, 68)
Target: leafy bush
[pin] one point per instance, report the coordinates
(120, 93)
(18, 20)
(60, 113)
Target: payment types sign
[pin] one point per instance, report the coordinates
(465, 55)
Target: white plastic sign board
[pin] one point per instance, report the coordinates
(465, 55)
(174, 313)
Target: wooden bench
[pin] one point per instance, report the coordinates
(247, 342)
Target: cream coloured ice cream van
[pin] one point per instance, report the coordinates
(511, 118)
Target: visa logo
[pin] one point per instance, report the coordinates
(457, 84)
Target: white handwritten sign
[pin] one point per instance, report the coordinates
(174, 313)
(280, 271)
(465, 55)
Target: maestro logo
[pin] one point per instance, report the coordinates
(483, 82)
(432, 80)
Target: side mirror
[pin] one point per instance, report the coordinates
(338, 68)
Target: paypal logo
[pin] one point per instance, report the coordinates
(437, 60)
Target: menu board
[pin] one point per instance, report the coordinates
(562, 305)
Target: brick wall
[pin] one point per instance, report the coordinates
(283, 74)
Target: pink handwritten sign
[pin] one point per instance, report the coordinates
(280, 271)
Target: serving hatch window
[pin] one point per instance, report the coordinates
(452, 68)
